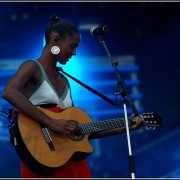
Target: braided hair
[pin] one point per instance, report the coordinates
(60, 26)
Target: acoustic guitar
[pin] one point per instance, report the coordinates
(41, 149)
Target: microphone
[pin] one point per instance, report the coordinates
(99, 31)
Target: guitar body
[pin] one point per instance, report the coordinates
(33, 148)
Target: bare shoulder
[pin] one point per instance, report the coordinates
(25, 73)
(27, 70)
(27, 67)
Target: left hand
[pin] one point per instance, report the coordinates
(139, 122)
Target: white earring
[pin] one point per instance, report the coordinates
(55, 50)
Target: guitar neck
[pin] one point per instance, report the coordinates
(97, 126)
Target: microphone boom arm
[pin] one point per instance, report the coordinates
(120, 79)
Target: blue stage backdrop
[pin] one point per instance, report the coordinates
(143, 38)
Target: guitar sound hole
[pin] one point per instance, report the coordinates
(76, 137)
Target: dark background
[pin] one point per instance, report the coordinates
(148, 31)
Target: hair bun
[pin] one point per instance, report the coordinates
(54, 18)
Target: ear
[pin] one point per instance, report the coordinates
(55, 38)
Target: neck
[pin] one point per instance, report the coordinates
(47, 60)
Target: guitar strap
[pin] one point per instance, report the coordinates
(88, 87)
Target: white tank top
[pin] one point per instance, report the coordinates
(45, 93)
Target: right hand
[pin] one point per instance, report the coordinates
(64, 127)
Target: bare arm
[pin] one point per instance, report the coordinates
(13, 94)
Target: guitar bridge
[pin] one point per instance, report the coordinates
(47, 137)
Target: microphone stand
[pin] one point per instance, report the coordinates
(124, 93)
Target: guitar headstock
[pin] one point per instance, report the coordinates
(151, 119)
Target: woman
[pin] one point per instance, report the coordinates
(38, 83)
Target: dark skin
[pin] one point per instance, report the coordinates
(29, 74)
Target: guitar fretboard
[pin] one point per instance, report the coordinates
(92, 127)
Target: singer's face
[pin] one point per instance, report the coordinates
(68, 48)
